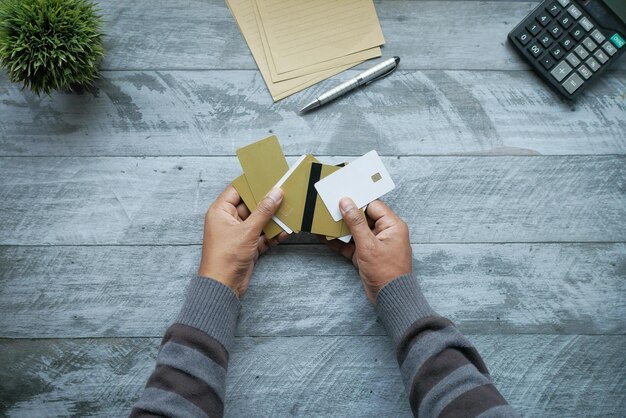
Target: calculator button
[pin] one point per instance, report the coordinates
(617, 40)
(572, 59)
(589, 44)
(581, 52)
(524, 37)
(566, 20)
(535, 49)
(534, 29)
(585, 72)
(555, 30)
(597, 36)
(586, 23)
(547, 61)
(601, 56)
(573, 10)
(593, 64)
(577, 33)
(553, 9)
(557, 52)
(567, 42)
(573, 83)
(544, 19)
(546, 40)
(561, 70)
(609, 48)
(564, 2)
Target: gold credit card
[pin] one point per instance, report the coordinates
(302, 208)
(263, 164)
(241, 185)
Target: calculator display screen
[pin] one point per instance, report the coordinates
(618, 7)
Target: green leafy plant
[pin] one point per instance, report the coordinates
(50, 44)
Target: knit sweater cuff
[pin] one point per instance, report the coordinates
(212, 308)
(400, 303)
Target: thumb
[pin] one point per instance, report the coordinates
(356, 221)
(264, 210)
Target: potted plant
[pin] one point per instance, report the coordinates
(50, 44)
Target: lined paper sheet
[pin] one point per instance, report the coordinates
(243, 12)
(356, 57)
(301, 33)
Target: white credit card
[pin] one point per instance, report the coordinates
(363, 180)
(345, 238)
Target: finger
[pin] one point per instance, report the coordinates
(229, 195)
(382, 216)
(370, 222)
(356, 221)
(264, 211)
(346, 250)
(321, 238)
(282, 236)
(263, 244)
(378, 209)
(243, 211)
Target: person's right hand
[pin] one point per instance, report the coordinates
(381, 252)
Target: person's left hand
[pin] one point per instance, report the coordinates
(232, 238)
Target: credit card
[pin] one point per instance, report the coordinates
(363, 180)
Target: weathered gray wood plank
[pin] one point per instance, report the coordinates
(149, 34)
(547, 376)
(78, 201)
(412, 113)
(137, 291)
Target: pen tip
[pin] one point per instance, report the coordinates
(397, 59)
(310, 106)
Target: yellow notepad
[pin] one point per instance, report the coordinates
(340, 61)
(243, 12)
(303, 33)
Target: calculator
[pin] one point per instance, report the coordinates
(571, 43)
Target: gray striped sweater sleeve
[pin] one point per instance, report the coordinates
(444, 375)
(190, 373)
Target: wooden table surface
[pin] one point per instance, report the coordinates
(515, 201)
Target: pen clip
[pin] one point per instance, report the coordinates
(383, 75)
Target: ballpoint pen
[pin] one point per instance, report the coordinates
(376, 72)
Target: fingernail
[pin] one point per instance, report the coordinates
(275, 194)
(346, 204)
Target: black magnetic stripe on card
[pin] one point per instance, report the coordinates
(311, 197)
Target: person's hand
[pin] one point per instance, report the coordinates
(381, 250)
(232, 238)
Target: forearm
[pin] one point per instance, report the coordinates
(443, 373)
(190, 374)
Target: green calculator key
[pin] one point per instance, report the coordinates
(617, 40)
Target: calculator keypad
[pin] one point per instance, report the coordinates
(600, 56)
(573, 60)
(573, 83)
(589, 44)
(578, 32)
(584, 71)
(593, 64)
(561, 71)
(566, 44)
(586, 24)
(609, 48)
(597, 36)
(574, 12)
